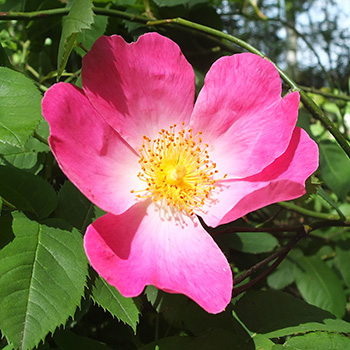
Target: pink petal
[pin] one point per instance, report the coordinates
(241, 113)
(139, 88)
(139, 248)
(92, 155)
(283, 180)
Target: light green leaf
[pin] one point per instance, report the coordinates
(42, 277)
(319, 341)
(249, 242)
(20, 110)
(88, 37)
(80, 17)
(27, 192)
(171, 3)
(282, 276)
(125, 309)
(342, 259)
(335, 168)
(277, 314)
(319, 285)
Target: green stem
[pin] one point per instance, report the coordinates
(308, 212)
(326, 94)
(309, 104)
(36, 15)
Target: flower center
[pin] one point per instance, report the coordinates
(177, 169)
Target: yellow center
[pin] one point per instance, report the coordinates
(177, 169)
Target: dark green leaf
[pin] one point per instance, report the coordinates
(67, 340)
(335, 168)
(125, 309)
(219, 339)
(6, 233)
(20, 110)
(42, 277)
(249, 242)
(170, 343)
(74, 207)
(319, 341)
(27, 192)
(80, 17)
(277, 314)
(319, 285)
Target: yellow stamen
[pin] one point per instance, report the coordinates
(176, 169)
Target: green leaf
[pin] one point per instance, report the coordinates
(335, 168)
(88, 37)
(249, 242)
(74, 207)
(319, 341)
(27, 192)
(125, 309)
(277, 314)
(67, 340)
(6, 233)
(342, 259)
(20, 110)
(324, 195)
(319, 285)
(171, 343)
(171, 3)
(42, 277)
(262, 342)
(80, 17)
(282, 276)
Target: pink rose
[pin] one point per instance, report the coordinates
(133, 141)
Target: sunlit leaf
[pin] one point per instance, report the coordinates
(42, 277)
(335, 168)
(249, 242)
(319, 341)
(319, 285)
(125, 309)
(20, 110)
(80, 17)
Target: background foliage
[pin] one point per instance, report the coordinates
(290, 260)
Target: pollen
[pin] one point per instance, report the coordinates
(176, 169)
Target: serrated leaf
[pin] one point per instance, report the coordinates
(277, 314)
(27, 192)
(20, 110)
(88, 37)
(125, 309)
(319, 285)
(335, 168)
(319, 341)
(42, 277)
(249, 242)
(80, 17)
